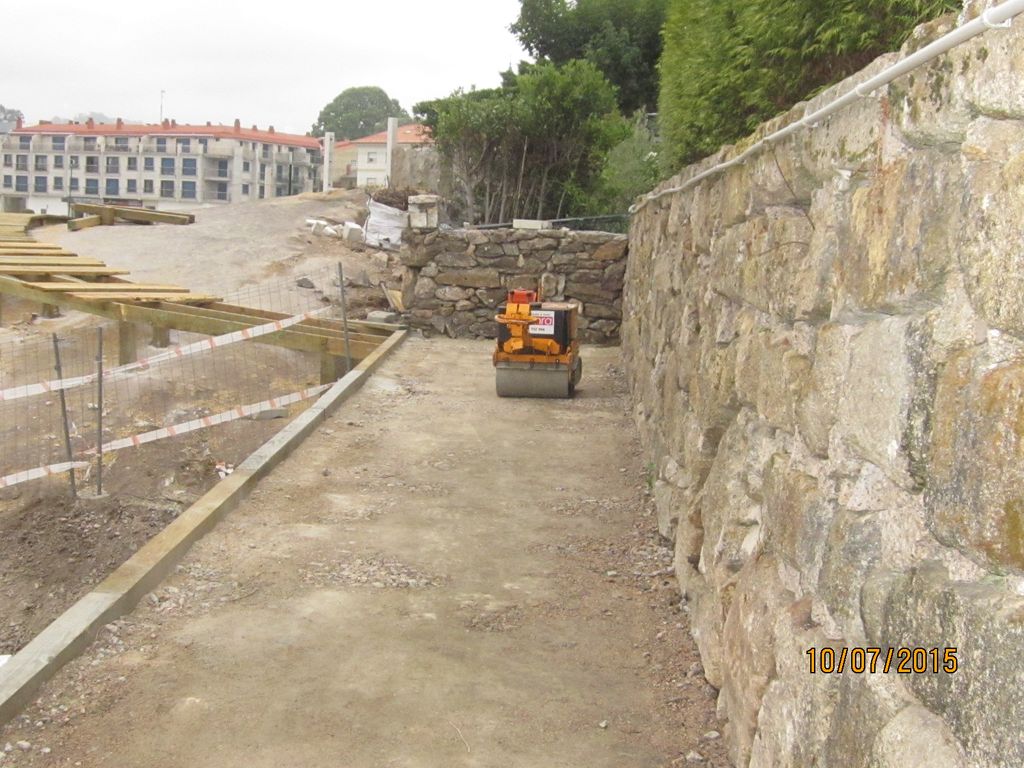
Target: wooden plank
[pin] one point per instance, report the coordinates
(31, 245)
(74, 225)
(358, 326)
(111, 287)
(150, 298)
(44, 260)
(60, 269)
(332, 329)
(134, 214)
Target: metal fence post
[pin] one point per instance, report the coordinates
(64, 417)
(99, 411)
(344, 317)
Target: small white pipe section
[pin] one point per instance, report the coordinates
(994, 18)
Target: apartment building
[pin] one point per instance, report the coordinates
(167, 166)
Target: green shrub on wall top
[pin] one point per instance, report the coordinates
(727, 65)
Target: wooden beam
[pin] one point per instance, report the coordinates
(74, 225)
(134, 214)
(59, 269)
(142, 296)
(44, 260)
(111, 287)
(355, 326)
(184, 318)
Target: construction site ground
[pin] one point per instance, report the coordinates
(437, 577)
(53, 550)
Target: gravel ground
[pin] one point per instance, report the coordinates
(435, 578)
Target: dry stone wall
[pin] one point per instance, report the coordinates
(826, 350)
(455, 279)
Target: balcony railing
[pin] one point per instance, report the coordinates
(118, 148)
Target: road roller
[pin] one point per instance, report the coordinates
(537, 354)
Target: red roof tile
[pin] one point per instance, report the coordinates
(168, 128)
(414, 133)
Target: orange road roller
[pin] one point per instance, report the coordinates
(537, 354)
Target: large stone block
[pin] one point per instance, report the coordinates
(470, 278)
(975, 497)
(767, 262)
(987, 243)
(748, 650)
(898, 240)
(796, 519)
(816, 404)
(982, 701)
(886, 400)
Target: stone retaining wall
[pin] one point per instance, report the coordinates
(826, 350)
(455, 279)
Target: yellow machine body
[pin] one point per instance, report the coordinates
(537, 352)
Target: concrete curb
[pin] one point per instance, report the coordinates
(71, 632)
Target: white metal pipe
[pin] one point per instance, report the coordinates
(994, 18)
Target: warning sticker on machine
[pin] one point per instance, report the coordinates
(545, 325)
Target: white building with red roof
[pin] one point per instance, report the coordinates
(167, 166)
(373, 165)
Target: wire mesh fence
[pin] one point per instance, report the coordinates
(58, 423)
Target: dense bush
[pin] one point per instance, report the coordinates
(727, 65)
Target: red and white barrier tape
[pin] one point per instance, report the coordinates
(174, 430)
(176, 353)
(38, 472)
(192, 425)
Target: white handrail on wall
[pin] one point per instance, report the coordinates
(994, 18)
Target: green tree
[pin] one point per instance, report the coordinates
(728, 65)
(358, 112)
(630, 170)
(622, 38)
(9, 114)
(533, 147)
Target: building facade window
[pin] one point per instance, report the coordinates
(74, 183)
(147, 163)
(222, 190)
(222, 169)
(188, 168)
(147, 186)
(92, 186)
(133, 186)
(8, 182)
(279, 192)
(166, 188)
(245, 166)
(161, 145)
(58, 184)
(111, 188)
(166, 166)
(113, 165)
(24, 142)
(40, 184)
(21, 163)
(263, 191)
(57, 142)
(73, 161)
(58, 161)
(89, 142)
(263, 170)
(21, 183)
(92, 164)
(40, 162)
(245, 190)
(133, 163)
(203, 143)
(188, 190)
(120, 144)
(8, 161)
(184, 145)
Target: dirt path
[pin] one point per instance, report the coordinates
(435, 578)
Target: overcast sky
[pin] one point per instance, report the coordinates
(264, 63)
